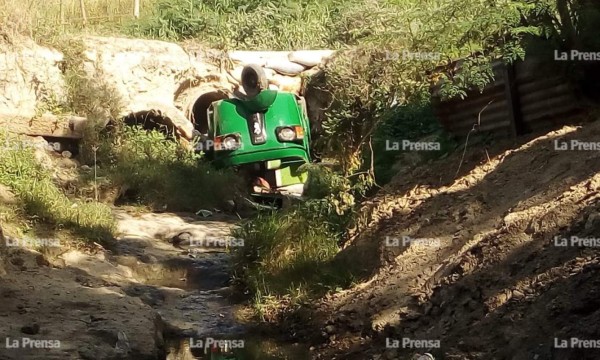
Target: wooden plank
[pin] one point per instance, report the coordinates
(46, 125)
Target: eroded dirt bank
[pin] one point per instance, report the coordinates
(155, 283)
(497, 282)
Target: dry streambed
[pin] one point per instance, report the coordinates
(155, 286)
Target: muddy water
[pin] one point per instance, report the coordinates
(189, 288)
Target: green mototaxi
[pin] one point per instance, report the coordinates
(266, 136)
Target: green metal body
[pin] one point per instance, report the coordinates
(279, 109)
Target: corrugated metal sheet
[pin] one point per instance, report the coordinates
(539, 101)
(460, 115)
(545, 100)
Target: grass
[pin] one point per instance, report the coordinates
(155, 171)
(266, 25)
(289, 256)
(286, 260)
(41, 20)
(237, 24)
(43, 201)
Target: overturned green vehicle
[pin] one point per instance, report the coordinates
(264, 134)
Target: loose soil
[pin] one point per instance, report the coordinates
(492, 282)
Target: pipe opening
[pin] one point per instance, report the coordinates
(198, 115)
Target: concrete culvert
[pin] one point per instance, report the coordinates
(197, 113)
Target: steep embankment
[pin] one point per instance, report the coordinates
(493, 281)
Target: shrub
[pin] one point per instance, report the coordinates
(44, 200)
(414, 121)
(160, 172)
(285, 251)
(267, 25)
(293, 252)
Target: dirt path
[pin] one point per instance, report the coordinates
(157, 282)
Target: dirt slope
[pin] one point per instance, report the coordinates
(492, 282)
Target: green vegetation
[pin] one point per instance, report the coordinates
(256, 24)
(291, 254)
(87, 96)
(414, 122)
(42, 21)
(43, 200)
(159, 172)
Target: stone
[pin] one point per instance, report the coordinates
(7, 197)
(30, 75)
(67, 163)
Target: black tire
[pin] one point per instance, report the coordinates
(254, 80)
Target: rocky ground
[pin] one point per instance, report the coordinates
(489, 279)
(133, 300)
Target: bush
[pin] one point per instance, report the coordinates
(160, 172)
(287, 251)
(414, 121)
(267, 25)
(44, 200)
(292, 253)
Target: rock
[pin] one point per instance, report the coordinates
(67, 154)
(43, 157)
(518, 294)
(148, 259)
(31, 329)
(68, 163)
(29, 73)
(122, 346)
(181, 239)
(230, 205)
(330, 329)
(55, 145)
(40, 143)
(152, 298)
(204, 213)
(426, 356)
(7, 196)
